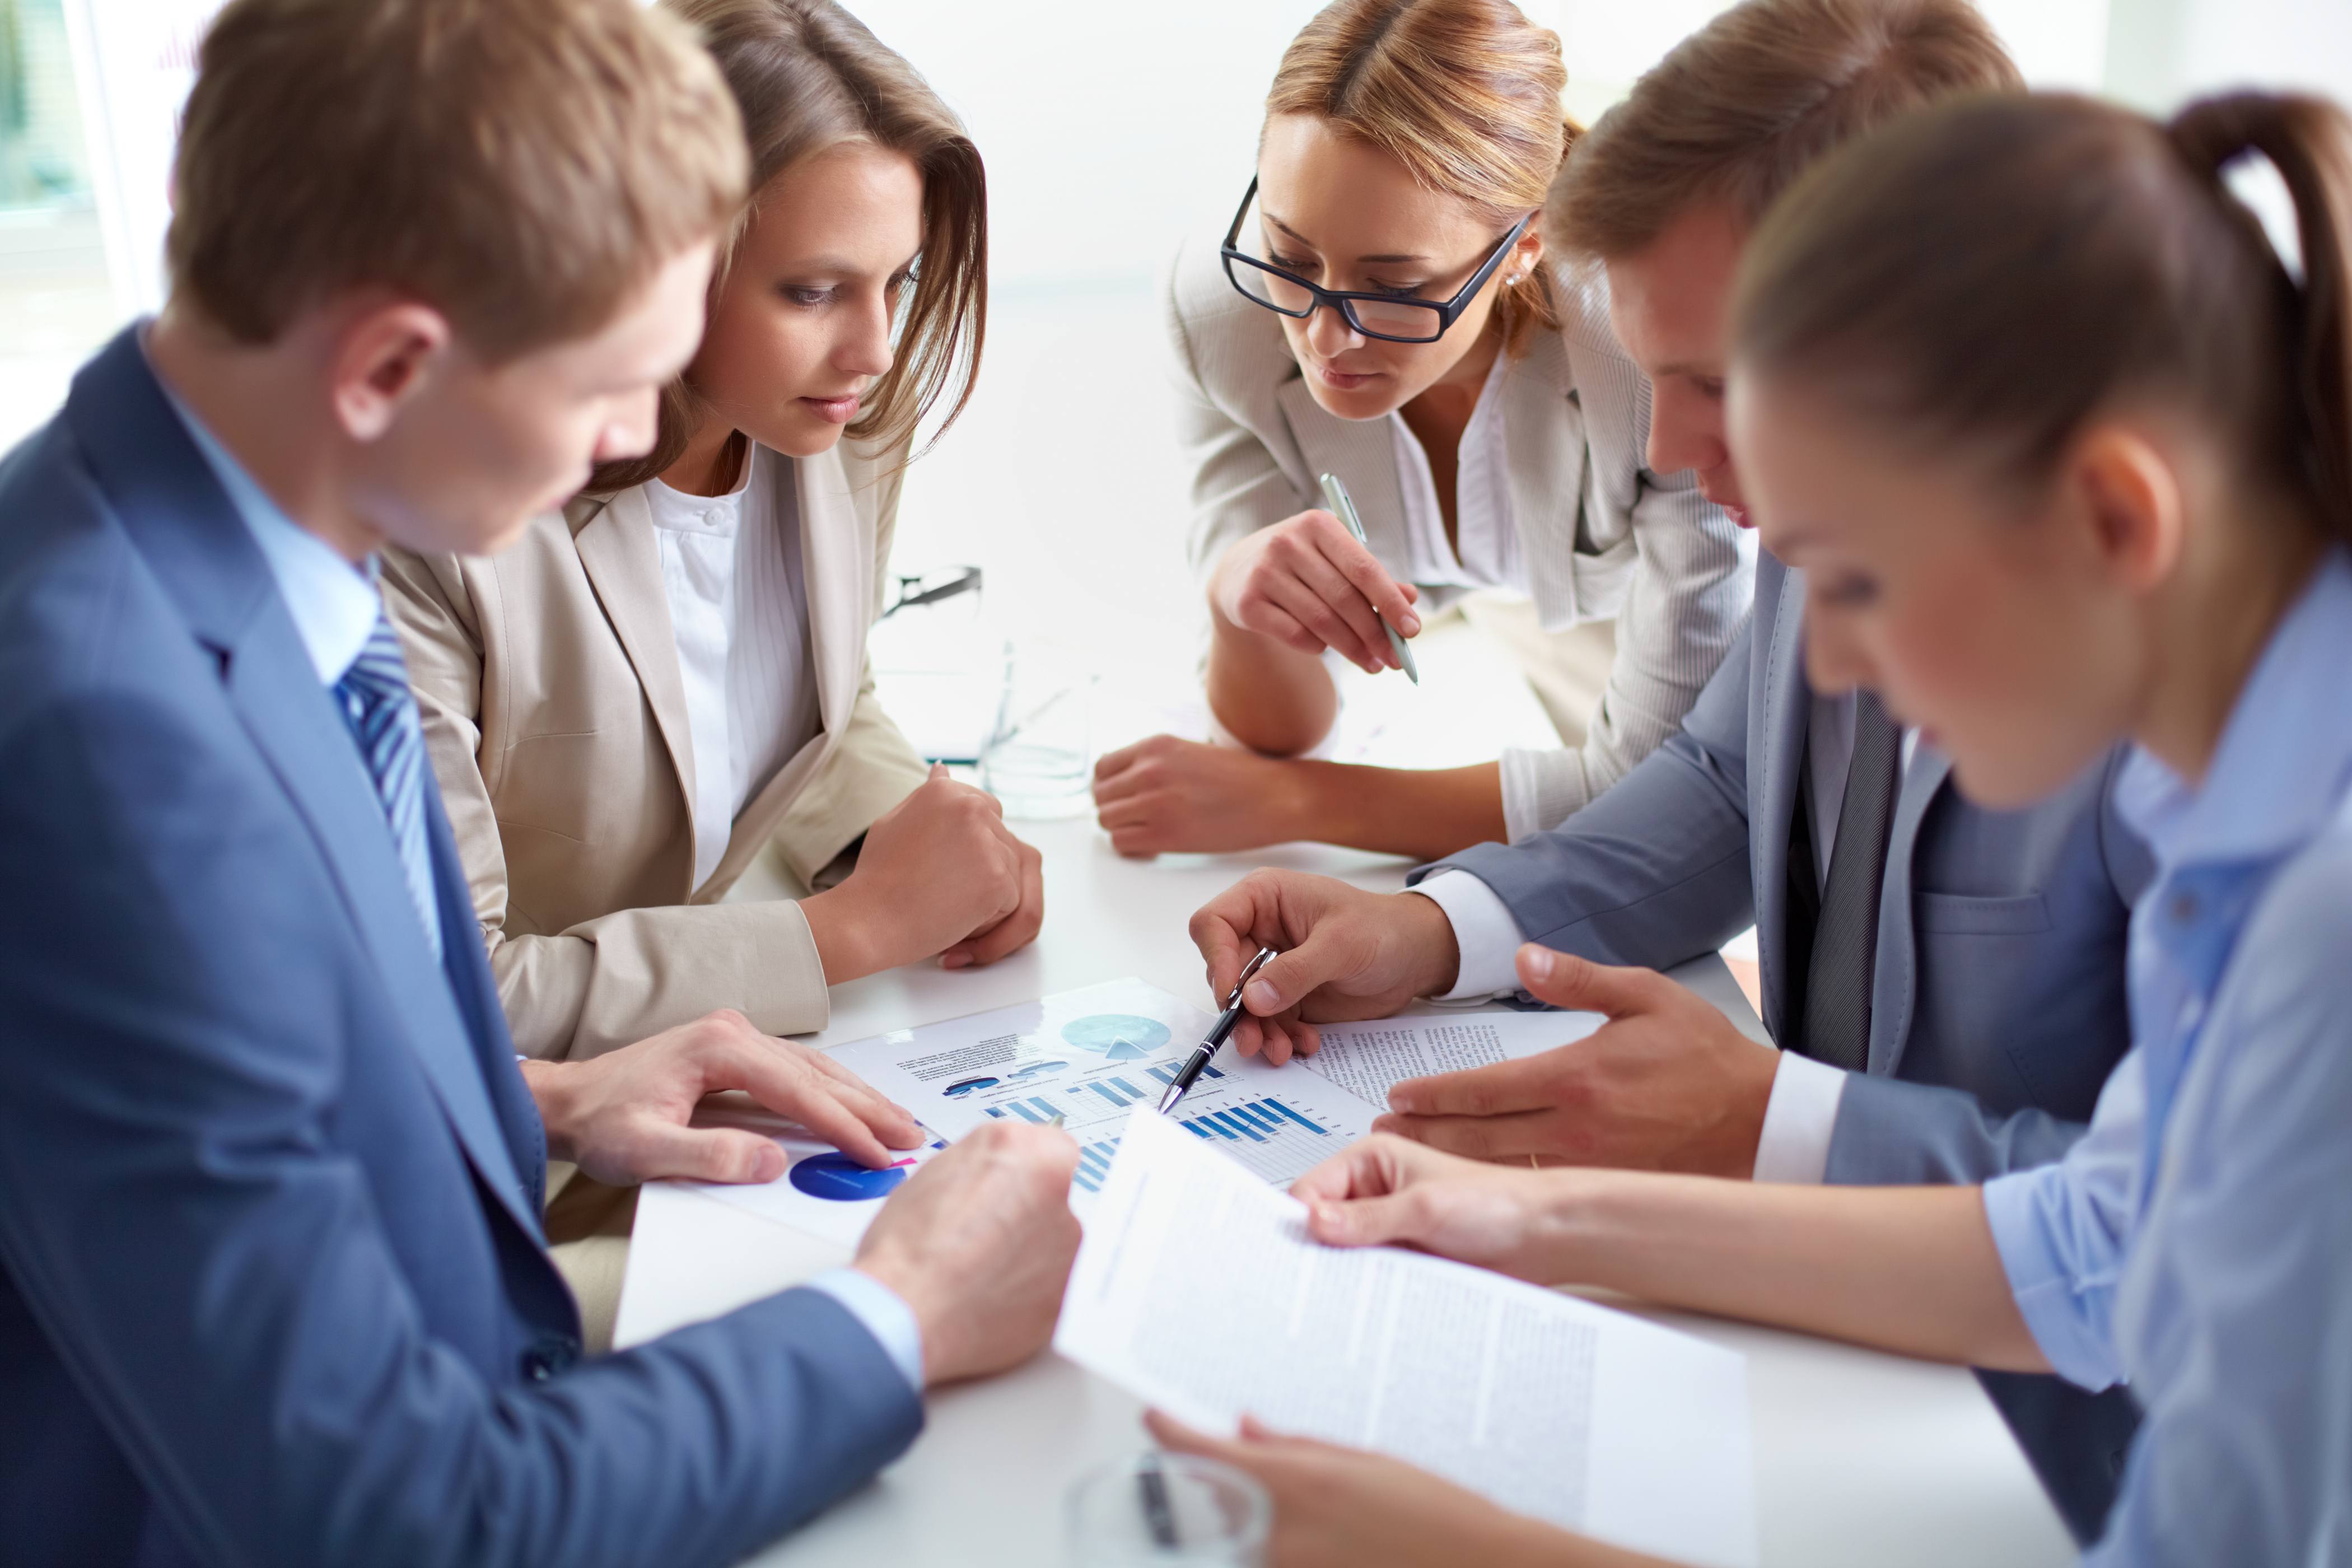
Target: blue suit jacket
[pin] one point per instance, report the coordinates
(1998, 1004)
(272, 1286)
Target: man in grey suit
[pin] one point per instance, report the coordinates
(1947, 982)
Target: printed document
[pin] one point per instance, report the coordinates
(1367, 1059)
(1198, 1291)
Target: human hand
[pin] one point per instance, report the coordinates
(1667, 1084)
(979, 1243)
(1344, 1508)
(1164, 795)
(1308, 584)
(1389, 1191)
(1344, 954)
(623, 1117)
(938, 873)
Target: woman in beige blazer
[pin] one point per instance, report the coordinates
(631, 704)
(1495, 456)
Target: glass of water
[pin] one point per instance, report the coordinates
(1168, 1510)
(1039, 757)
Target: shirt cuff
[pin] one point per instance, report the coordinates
(1483, 931)
(879, 1310)
(1799, 1119)
(2065, 1315)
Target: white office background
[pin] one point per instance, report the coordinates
(1111, 131)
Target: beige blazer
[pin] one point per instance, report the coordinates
(1603, 537)
(547, 681)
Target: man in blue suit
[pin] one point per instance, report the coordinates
(1947, 982)
(272, 1282)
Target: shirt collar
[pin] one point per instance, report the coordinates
(2285, 759)
(334, 604)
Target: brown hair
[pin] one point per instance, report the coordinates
(1463, 93)
(1739, 109)
(808, 76)
(1987, 278)
(520, 165)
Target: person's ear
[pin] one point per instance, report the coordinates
(383, 356)
(2127, 498)
(1525, 256)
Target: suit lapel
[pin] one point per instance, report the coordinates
(838, 576)
(278, 697)
(1547, 464)
(623, 559)
(1895, 979)
(1362, 452)
(1777, 758)
(174, 510)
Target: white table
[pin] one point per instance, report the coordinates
(1860, 1458)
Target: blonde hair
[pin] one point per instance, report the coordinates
(807, 75)
(1740, 107)
(1464, 93)
(520, 165)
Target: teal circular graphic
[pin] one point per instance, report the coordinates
(963, 1087)
(1033, 1068)
(1121, 1036)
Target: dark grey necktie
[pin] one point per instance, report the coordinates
(1840, 965)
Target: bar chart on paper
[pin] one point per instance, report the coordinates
(1082, 1060)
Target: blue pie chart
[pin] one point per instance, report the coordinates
(838, 1179)
(969, 1085)
(1121, 1037)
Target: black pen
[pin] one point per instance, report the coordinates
(1190, 1071)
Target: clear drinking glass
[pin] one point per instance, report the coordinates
(1039, 758)
(1168, 1510)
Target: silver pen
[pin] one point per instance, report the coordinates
(1190, 1071)
(1343, 507)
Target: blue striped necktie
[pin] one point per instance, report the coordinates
(375, 701)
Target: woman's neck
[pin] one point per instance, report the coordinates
(712, 463)
(2214, 635)
(1442, 411)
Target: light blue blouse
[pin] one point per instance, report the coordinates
(2198, 1243)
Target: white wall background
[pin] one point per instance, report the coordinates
(1112, 129)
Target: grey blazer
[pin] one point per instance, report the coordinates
(1998, 1006)
(1603, 537)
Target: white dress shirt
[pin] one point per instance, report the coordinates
(1801, 1114)
(1484, 551)
(739, 609)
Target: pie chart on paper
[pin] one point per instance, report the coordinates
(837, 1178)
(1119, 1037)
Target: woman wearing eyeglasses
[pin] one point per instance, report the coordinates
(1379, 309)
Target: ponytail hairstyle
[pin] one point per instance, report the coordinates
(1982, 279)
(1463, 93)
(809, 77)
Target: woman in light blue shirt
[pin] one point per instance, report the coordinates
(2064, 452)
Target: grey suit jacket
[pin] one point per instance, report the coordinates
(1998, 1006)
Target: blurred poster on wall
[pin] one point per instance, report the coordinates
(134, 61)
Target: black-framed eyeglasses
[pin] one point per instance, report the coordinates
(1389, 316)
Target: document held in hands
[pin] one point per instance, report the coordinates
(1198, 1291)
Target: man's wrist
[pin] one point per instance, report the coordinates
(1436, 950)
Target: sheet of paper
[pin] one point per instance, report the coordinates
(1089, 1056)
(1369, 1059)
(822, 1191)
(1198, 1291)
